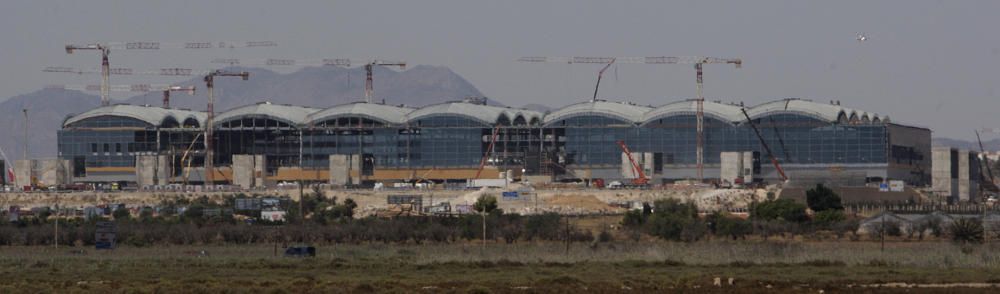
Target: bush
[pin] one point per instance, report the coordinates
(828, 218)
(120, 214)
(781, 209)
(485, 203)
(667, 226)
(732, 227)
(633, 219)
(967, 230)
(822, 198)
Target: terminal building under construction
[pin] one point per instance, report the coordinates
(365, 143)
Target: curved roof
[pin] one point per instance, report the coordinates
(386, 113)
(295, 115)
(485, 114)
(628, 112)
(149, 114)
(723, 112)
(822, 111)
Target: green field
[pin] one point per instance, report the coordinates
(500, 268)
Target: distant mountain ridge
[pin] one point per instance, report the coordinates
(313, 86)
(988, 145)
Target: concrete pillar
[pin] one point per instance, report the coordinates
(941, 179)
(23, 172)
(730, 166)
(243, 171)
(152, 170)
(964, 192)
(747, 167)
(340, 169)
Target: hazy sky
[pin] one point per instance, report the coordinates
(928, 63)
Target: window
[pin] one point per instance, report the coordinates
(93, 147)
(107, 147)
(118, 147)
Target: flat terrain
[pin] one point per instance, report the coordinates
(500, 268)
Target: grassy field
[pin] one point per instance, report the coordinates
(526, 267)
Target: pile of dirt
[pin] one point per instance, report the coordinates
(586, 202)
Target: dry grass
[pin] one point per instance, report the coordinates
(649, 266)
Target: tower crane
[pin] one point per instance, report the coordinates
(343, 62)
(369, 83)
(105, 49)
(209, 152)
(697, 61)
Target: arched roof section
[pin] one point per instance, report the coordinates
(293, 115)
(154, 116)
(485, 114)
(628, 112)
(826, 112)
(723, 112)
(388, 114)
(170, 122)
(191, 121)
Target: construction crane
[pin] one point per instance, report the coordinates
(489, 151)
(599, 75)
(105, 66)
(342, 62)
(641, 180)
(105, 49)
(369, 83)
(774, 160)
(991, 184)
(142, 88)
(209, 153)
(697, 61)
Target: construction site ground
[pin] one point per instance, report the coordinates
(565, 201)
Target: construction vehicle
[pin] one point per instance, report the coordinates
(641, 180)
(763, 143)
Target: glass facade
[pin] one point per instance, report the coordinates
(458, 141)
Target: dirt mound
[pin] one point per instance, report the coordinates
(588, 202)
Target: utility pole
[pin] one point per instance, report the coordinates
(209, 152)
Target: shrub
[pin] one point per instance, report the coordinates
(822, 198)
(828, 218)
(120, 214)
(485, 203)
(633, 218)
(967, 230)
(781, 209)
(667, 226)
(732, 227)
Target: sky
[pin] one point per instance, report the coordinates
(934, 64)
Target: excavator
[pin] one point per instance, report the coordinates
(641, 180)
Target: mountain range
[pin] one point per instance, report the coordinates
(313, 86)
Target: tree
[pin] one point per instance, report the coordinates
(485, 203)
(822, 198)
(780, 209)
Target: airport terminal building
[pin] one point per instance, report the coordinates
(364, 143)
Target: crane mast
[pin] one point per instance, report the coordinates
(369, 80)
(209, 152)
